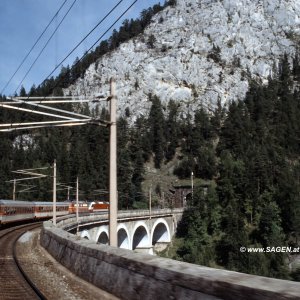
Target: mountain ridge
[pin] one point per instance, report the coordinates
(197, 52)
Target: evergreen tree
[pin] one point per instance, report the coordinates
(199, 227)
(172, 130)
(230, 190)
(22, 92)
(137, 195)
(124, 165)
(5, 167)
(157, 125)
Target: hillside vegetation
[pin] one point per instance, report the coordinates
(249, 152)
(255, 198)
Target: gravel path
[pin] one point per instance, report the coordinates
(54, 280)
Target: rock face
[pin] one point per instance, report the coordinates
(197, 52)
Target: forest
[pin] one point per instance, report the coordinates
(254, 196)
(248, 152)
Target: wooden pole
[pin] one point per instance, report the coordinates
(113, 195)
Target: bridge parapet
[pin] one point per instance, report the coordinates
(137, 229)
(89, 219)
(130, 275)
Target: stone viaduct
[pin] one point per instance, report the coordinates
(137, 230)
(130, 275)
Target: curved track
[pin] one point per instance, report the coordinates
(14, 284)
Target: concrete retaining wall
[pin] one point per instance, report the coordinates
(130, 275)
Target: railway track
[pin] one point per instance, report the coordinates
(14, 284)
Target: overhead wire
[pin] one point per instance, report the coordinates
(86, 53)
(35, 112)
(10, 125)
(29, 52)
(114, 23)
(43, 126)
(82, 40)
(46, 44)
(45, 107)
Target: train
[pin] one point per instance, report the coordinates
(16, 211)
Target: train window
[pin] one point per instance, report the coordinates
(9, 210)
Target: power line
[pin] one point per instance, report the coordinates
(83, 40)
(46, 45)
(106, 31)
(86, 53)
(29, 52)
(47, 108)
(37, 105)
(36, 112)
(88, 35)
(43, 126)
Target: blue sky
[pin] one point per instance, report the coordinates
(22, 21)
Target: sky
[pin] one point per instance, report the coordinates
(22, 22)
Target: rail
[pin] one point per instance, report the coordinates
(15, 284)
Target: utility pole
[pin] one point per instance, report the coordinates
(113, 195)
(68, 197)
(54, 192)
(77, 203)
(192, 181)
(14, 190)
(150, 200)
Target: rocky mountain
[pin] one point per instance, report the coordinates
(198, 51)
